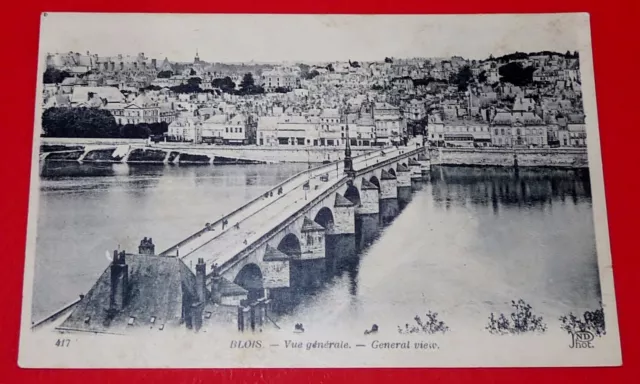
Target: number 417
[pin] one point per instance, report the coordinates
(63, 342)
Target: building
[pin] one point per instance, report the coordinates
(416, 110)
(511, 129)
(279, 78)
(458, 133)
(577, 131)
(128, 297)
(81, 95)
(225, 129)
(185, 128)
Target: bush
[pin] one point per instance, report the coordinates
(522, 320)
(431, 326)
(592, 321)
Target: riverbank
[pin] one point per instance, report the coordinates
(522, 157)
(250, 153)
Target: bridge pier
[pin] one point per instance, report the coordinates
(416, 175)
(425, 165)
(388, 197)
(367, 215)
(341, 241)
(403, 173)
(308, 273)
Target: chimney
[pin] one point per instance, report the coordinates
(119, 281)
(146, 247)
(201, 274)
(216, 282)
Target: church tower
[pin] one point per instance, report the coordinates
(196, 60)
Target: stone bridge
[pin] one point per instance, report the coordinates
(288, 240)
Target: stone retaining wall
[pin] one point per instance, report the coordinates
(543, 157)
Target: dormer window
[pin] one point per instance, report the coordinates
(152, 320)
(131, 321)
(207, 315)
(87, 319)
(161, 327)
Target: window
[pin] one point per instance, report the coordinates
(131, 321)
(226, 129)
(152, 320)
(240, 129)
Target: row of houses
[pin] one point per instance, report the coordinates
(508, 129)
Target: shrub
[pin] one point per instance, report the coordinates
(592, 321)
(430, 326)
(522, 320)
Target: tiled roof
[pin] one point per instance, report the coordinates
(156, 289)
(111, 94)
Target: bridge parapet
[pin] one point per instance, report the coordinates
(199, 238)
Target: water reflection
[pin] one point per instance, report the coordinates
(468, 242)
(498, 187)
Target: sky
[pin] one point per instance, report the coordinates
(309, 38)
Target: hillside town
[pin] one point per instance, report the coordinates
(528, 100)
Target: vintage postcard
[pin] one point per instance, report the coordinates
(317, 191)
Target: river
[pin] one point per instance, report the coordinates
(470, 241)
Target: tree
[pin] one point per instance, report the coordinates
(190, 87)
(54, 76)
(354, 64)
(164, 74)
(192, 72)
(482, 77)
(462, 78)
(310, 75)
(248, 86)
(388, 60)
(226, 85)
(151, 88)
(194, 80)
(79, 122)
(135, 131)
(330, 67)
(516, 74)
(281, 90)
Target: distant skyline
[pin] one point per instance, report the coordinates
(307, 38)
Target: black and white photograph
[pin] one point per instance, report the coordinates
(316, 191)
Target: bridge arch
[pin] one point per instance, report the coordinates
(353, 194)
(290, 244)
(250, 278)
(374, 180)
(324, 217)
(392, 171)
(404, 164)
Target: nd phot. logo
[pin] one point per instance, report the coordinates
(581, 339)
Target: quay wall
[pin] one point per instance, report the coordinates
(297, 154)
(526, 157)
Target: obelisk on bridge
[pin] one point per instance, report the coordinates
(348, 162)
